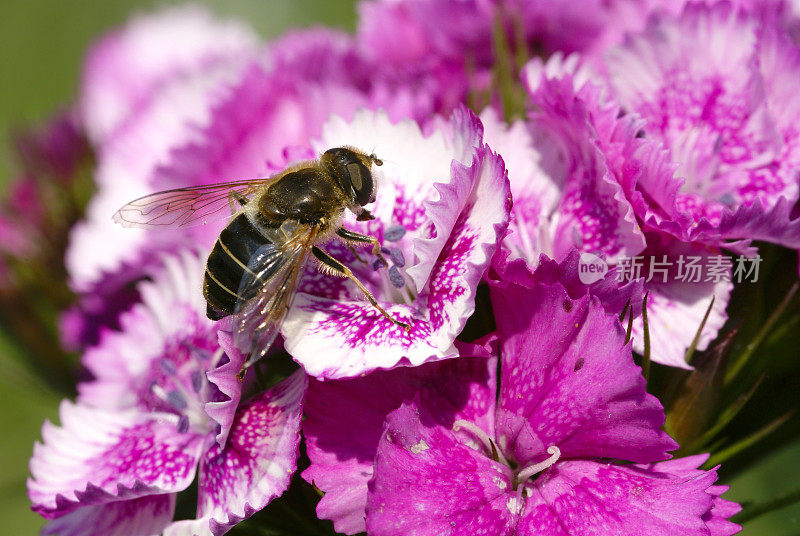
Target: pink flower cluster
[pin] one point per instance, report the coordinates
(651, 128)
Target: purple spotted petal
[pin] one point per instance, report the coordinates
(127, 67)
(575, 498)
(344, 421)
(97, 457)
(145, 515)
(257, 462)
(426, 482)
(569, 380)
(454, 221)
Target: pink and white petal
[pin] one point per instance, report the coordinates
(99, 456)
(470, 218)
(426, 482)
(129, 65)
(593, 213)
(676, 307)
(145, 516)
(756, 221)
(589, 498)
(344, 421)
(568, 379)
(172, 307)
(333, 339)
(257, 462)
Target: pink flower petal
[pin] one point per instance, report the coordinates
(569, 380)
(98, 457)
(586, 497)
(426, 482)
(257, 462)
(143, 516)
(128, 66)
(344, 421)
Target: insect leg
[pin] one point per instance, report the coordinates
(351, 236)
(233, 199)
(340, 269)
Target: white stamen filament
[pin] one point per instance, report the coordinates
(483, 436)
(525, 474)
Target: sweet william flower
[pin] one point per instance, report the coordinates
(459, 457)
(575, 169)
(161, 405)
(728, 114)
(570, 397)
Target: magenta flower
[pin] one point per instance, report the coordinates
(575, 169)
(457, 458)
(728, 113)
(152, 415)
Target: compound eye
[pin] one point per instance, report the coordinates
(361, 180)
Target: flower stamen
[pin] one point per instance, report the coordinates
(525, 474)
(487, 442)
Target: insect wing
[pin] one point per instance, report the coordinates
(268, 288)
(186, 207)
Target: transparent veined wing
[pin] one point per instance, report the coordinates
(268, 288)
(186, 207)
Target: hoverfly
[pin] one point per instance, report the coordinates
(254, 267)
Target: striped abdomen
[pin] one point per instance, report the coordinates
(228, 263)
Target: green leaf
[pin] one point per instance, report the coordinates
(724, 419)
(695, 403)
(753, 510)
(746, 442)
(742, 359)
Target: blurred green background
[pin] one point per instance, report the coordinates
(42, 43)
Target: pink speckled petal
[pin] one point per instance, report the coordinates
(257, 462)
(716, 518)
(98, 456)
(344, 421)
(590, 151)
(612, 294)
(428, 483)
(569, 380)
(584, 498)
(226, 378)
(128, 66)
(144, 516)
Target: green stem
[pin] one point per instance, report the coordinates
(747, 442)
